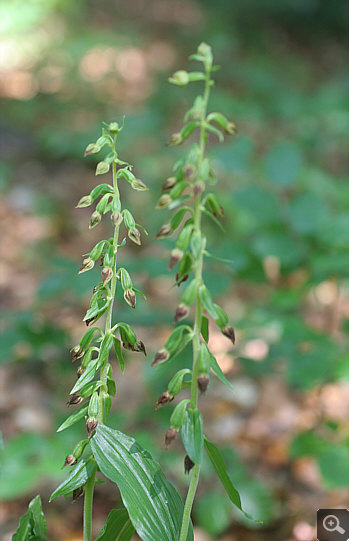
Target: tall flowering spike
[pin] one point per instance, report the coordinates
(94, 384)
(190, 177)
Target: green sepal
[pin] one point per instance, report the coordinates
(216, 369)
(197, 242)
(177, 417)
(32, 525)
(175, 383)
(119, 355)
(178, 217)
(206, 300)
(111, 387)
(204, 328)
(90, 388)
(204, 359)
(88, 337)
(192, 435)
(93, 409)
(190, 292)
(184, 237)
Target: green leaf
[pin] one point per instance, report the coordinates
(77, 477)
(206, 299)
(204, 328)
(192, 435)
(87, 376)
(117, 527)
(74, 418)
(218, 372)
(154, 506)
(32, 525)
(220, 469)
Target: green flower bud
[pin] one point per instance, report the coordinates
(180, 78)
(85, 201)
(102, 168)
(164, 201)
(107, 275)
(91, 425)
(92, 148)
(170, 436)
(95, 219)
(113, 128)
(130, 297)
(87, 265)
(134, 235)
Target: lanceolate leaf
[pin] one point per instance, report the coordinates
(192, 435)
(77, 477)
(118, 527)
(32, 525)
(218, 372)
(220, 468)
(153, 504)
(72, 419)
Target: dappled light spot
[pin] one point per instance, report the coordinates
(271, 265)
(20, 85)
(256, 349)
(95, 64)
(51, 79)
(131, 64)
(160, 55)
(304, 531)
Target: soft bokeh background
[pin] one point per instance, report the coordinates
(65, 66)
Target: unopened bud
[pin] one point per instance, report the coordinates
(175, 139)
(113, 127)
(176, 255)
(230, 128)
(182, 311)
(70, 460)
(74, 399)
(229, 332)
(199, 187)
(169, 183)
(130, 298)
(170, 435)
(180, 78)
(116, 218)
(95, 219)
(164, 398)
(139, 346)
(161, 356)
(87, 265)
(85, 201)
(80, 371)
(77, 353)
(164, 201)
(107, 275)
(164, 231)
(89, 321)
(188, 464)
(91, 425)
(139, 185)
(203, 381)
(134, 235)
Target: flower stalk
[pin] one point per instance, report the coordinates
(188, 183)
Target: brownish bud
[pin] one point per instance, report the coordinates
(139, 346)
(176, 255)
(85, 201)
(89, 321)
(181, 279)
(182, 311)
(74, 399)
(189, 172)
(169, 183)
(161, 356)
(91, 425)
(70, 460)
(134, 235)
(77, 353)
(164, 201)
(107, 275)
(218, 213)
(77, 493)
(164, 231)
(164, 398)
(170, 436)
(87, 265)
(80, 371)
(188, 464)
(139, 185)
(203, 381)
(199, 187)
(130, 297)
(116, 218)
(229, 332)
(95, 219)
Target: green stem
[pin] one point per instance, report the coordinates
(198, 314)
(189, 502)
(88, 504)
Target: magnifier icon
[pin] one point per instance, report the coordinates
(331, 524)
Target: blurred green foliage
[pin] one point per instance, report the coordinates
(283, 185)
